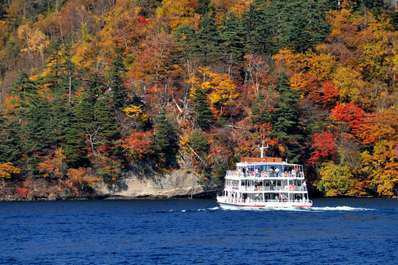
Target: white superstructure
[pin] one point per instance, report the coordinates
(265, 182)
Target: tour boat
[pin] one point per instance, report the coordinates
(265, 183)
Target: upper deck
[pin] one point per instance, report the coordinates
(264, 161)
(265, 168)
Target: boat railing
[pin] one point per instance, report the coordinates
(238, 174)
(274, 188)
(249, 200)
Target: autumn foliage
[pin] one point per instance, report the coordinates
(94, 91)
(324, 146)
(349, 113)
(138, 144)
(7, 170)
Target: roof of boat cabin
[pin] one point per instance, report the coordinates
(257, 161)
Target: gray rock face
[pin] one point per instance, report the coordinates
(182, 182)
(177, 183)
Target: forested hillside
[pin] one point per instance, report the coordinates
(94, 89)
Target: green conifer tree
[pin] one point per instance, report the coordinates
(165, 141)
(38, 133)
(104, 119)
(233, 39)
(118, 91)
(285, 119)
(207, 41)
(202, 113)
(75, 148)
(260, 112)
(10, 143)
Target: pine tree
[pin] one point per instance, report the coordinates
(260, 113)
(10, 143)
(295, 24)
(83, 116)
(202, 112)
(185, 39)
(118, 91)
(199, 143)
(165, 141)
(257, 28)
(104, 119)
(38, 133)
(233, 38)
(75, 148)
(207, 41)
(285, 116)
(204, 7)
(24, 88)
(285, 119)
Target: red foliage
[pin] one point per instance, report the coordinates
(324, 145)
(142, 20)
(349, 113)
(22, 192)
(330, 92)
(138, 143)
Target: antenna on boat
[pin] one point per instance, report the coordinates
(262, 148)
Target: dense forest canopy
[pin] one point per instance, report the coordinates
(93, 89)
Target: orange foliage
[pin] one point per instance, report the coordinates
(153, 59)
(238, 7)
(329, 92)
(379, 126)
(80, 176)
(53, 165)
(138, 143)
(291, 61)
(11, 103)
(7, 170)
(349, 113)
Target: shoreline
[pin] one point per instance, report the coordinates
(203, 195)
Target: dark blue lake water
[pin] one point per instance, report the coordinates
(343, 231)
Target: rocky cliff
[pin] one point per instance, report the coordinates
(177, 183)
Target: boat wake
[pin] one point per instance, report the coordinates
(312, 209)
(292, 209)
(193, 210)
(341, 208)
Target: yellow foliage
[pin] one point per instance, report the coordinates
(337, 180)
(301, 81)
(349, 83)
(83, 55)
(134, 111)
(294, 62)
(382, 166)
(177, 13)
(184, 139)
(322, 66)
(222, 91)
(35, 40)
(7, 170)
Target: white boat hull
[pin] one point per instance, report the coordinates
(263, 205)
